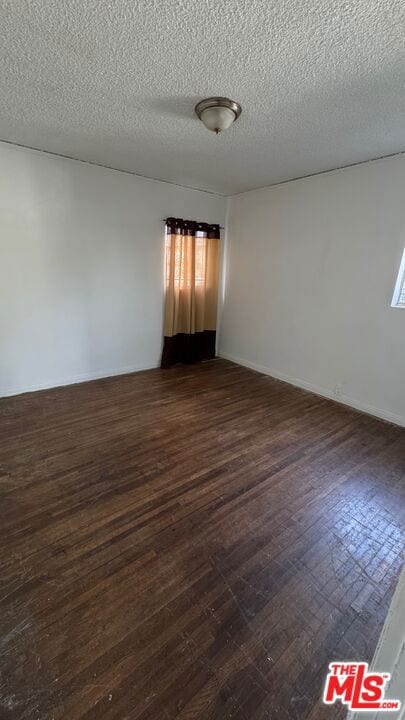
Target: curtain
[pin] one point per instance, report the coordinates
(191, 291)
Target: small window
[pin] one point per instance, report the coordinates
(398, 299)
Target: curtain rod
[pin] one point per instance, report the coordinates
(221, 227)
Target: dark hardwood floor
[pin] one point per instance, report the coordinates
(195, 543)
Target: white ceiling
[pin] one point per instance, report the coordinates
(321, 83)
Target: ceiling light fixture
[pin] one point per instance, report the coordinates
(218, 113)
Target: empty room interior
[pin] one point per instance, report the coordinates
(202, 360)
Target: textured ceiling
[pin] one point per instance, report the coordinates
(321, 83)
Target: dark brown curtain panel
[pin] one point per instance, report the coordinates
(191, 291)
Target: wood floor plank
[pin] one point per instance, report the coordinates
(194, 543)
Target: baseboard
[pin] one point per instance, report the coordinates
(73, 379)
(318, 390)
(297, 382)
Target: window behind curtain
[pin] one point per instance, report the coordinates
(191, 291)
(182, 279)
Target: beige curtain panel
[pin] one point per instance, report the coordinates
(191, 291)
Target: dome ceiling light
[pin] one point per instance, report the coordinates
(218, 113)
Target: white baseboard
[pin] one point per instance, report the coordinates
(318, 390)
(73, 379)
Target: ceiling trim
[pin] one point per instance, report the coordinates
(108, 167)
(197, 189)
(321, 172)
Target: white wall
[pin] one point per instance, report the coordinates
(81, 267)
(311, 268)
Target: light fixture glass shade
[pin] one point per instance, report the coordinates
(218, 113)
(217, 118)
